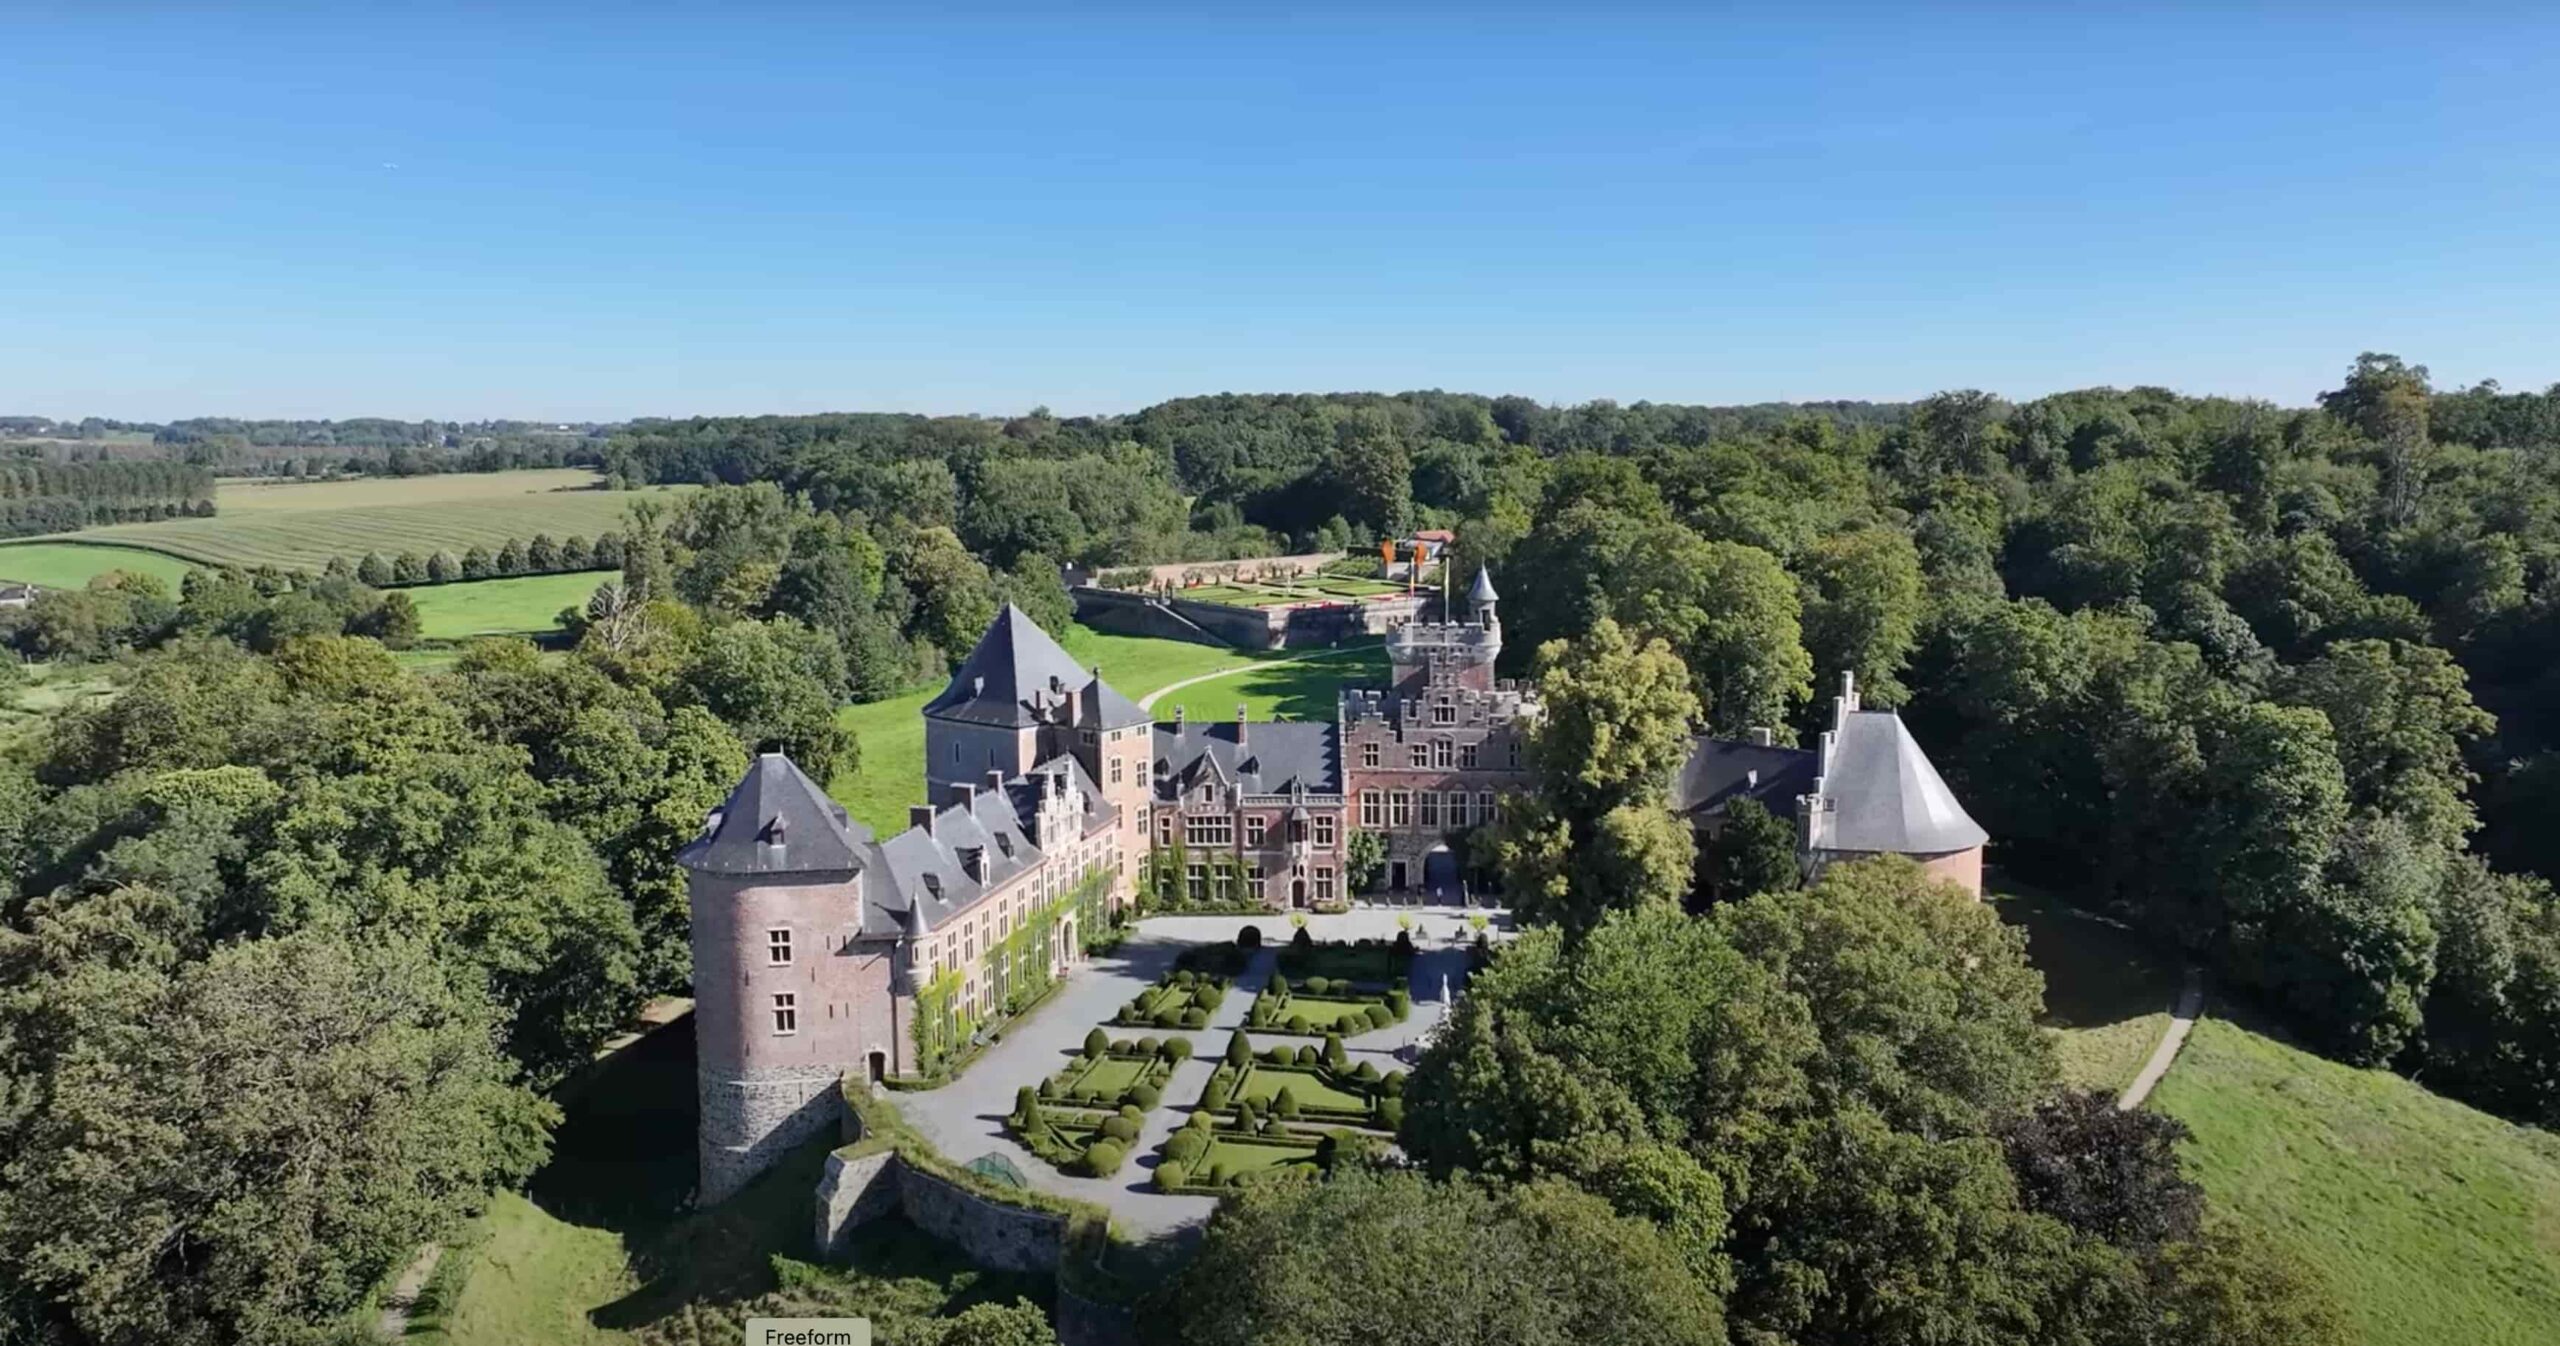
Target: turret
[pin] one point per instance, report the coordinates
(1481, 600)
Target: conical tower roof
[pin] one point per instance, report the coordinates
(1015, 668)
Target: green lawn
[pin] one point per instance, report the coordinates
(71, 565)
(2106, 991)
(1112, 1075)
(601, 1245)
(1293, 691)
(1322, 1013)
(522, 605)
(890, 775)
(1262, 1084)
(2432, 1223)
(1246, 1156)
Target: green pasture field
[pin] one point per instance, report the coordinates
(303, 526)
(524, 604)
(890, 775)
(2430, 1222)
(1263, 1084)
(70, 565)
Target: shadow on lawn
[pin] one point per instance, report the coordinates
(2097, 970)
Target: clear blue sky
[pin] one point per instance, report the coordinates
(607, 211)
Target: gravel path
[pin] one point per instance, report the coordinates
(2181, 1019)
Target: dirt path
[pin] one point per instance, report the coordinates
(1148, 702)
(394, 1323)
(2181, 1019)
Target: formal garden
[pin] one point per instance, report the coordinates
(1084, 1118)
(1346, 988)
(1181, 999)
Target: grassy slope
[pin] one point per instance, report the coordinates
(2107, 994)
(62, 565)
(304, 525)
(526, 603)
(891, 773)
(2433, 1223)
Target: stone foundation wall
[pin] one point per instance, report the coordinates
(992, 1233)
(749, 1122)
(852, 1193)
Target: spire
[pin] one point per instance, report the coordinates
(1481, 598)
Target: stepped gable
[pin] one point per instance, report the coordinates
(1882, 794)
(1265, 757)
(777, 821)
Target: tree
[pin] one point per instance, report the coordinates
(375, 569)
(2385, 401)
(477, 563)
(2108, 1172)
(1862, 606)
(410, 568)
(542, 555)
(512, 559)
(393, 621)
(755, 677)
(1399, 1260)
(443, 568)
(1364, 857)
(2403, 716)
(240, 1148)
(954, 599)
(1598, 836)
(1754, 852)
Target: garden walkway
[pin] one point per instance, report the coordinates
(2182, 1018)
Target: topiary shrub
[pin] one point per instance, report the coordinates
(1168, 1017)
(1176, 1050)
(1319, 986)
(1195, 1018)
(1286, 1103)
(1280, 983)
(1050, 1088)
(1366, 1072)
(1379, 1016)
(1399, 1002)
(1147, 1046)
(1239, 1051)
(1097, 1042)
(1170, 1175)
(1185, 1147)
(1333, 1054)
(1276, 1056)
(1026, 1107)
(1215, 1096)
(1209, 997)
(1217, 1176)
(1249, 938)
(1393, 1083)
(1103, 1158)
(1145, 1095)
(1306, 1055)
(1297, 1023)
(1391, 1114)
(1201, 1120)
(1119, 1128)
(1302, 942)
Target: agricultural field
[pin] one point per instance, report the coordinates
(302, 525)
(890, 775)
(2429, 1221)
(522, 605)
(71, 565)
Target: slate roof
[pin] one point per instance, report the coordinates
(1017, 676)
(1483, 592)
(1274, 756)
(1719, 771)
(1883, 795)
(776, 821)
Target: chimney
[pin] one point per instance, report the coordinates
(1241, 712)
(1848, 691)
(921, 815)
(1762, 736)
(1177, 715)
(995, 782)
(964, 795)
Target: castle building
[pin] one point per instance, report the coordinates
(821, 951)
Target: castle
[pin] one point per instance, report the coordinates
(821, 951)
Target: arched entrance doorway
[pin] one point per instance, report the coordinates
(1440, 880)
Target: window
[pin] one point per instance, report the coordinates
(777, 948)
(1421, 755)
(1324, 831)
(786, 1014)
(1324, 885)
(1209, 829)
(1444, 713)
(1400, 809)
(1254, 826)
(1199, 882)
(1164, 829)
(1484, 806)
(955, 752)
(1431, 810)
(1119, 766)
(1515, 753)
(1440, 753)
(1369, 755)
(1369, 816)
(1467, 756)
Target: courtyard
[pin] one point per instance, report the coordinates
(966, 1118)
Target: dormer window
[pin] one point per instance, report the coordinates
(773, 832)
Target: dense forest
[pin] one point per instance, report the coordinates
(294, 938)
(363, 445)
